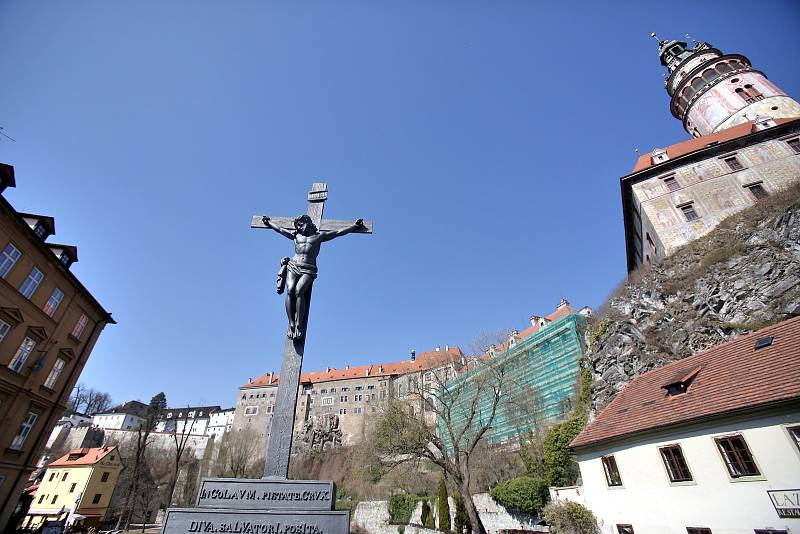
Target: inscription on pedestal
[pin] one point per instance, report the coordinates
(214, 520)
(265, 494)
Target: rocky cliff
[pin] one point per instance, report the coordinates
(741, 277)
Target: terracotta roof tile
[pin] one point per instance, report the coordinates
(423, 362)
(733, 376)
(698, 143)
(84, 456)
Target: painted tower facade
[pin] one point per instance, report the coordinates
(712, 91)
(746, 146)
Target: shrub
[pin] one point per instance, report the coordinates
(443, 507)
(461, 518)
(401, 507)
(570, 518)
(522, 494)
(559, 463)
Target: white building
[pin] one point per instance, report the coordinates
(189, 420)
(128, 416)
(221, 422)
(707, 444)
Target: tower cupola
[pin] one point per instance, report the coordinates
(712, 91)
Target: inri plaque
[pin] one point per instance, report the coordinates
(266, 494)
(215, 520)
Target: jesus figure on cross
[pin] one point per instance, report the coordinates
(297, 273)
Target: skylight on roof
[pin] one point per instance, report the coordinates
(763, 342)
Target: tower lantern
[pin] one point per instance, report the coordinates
(712, 91)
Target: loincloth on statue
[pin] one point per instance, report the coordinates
(297, 268)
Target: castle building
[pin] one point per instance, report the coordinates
(745, 146)
(126, 416)
(49, 324)
(345, 396)
(539, 366)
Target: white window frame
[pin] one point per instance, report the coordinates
(327, 401)
(5, 328)
(8, 258)
(23, 353)
(55, 372)
(251, 410)
(53, 302)
(31, 283)
(24, 430)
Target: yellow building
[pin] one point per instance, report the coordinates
(81, 481)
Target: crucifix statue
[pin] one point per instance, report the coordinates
(296, 276)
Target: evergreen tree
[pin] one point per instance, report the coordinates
(443, 507)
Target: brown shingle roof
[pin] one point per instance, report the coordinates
(698, 143)
(85, 456)
(733, 376)
(423, 362)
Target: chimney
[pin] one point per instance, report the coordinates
(438, 348)
(535, 320)
(562, 303)
(380, 369)
(327, 369)
(492, 349)
(347, 367)
(271, 374)
(414, 354)
(446, 347)
(366, 372)
(249, 380)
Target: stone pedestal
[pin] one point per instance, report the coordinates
(260, 506)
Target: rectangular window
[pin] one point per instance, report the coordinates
(675, 463)
(689, 213)
(794, 144)
(356, 410)
(671, 183)
(359, 388)
(342, 411)
(22, 354)
(738, 460)
(794, 431)
(251, 410)
(53, 302)
(104, 478)
(342, 398)
(96, 498)
(327, 400)
(758, 191)
(370, 387)
(344, 389)
(79, 326)
(698, 530)
(8, 258)
(30, 284)
(733, 163)
(5, 328)
(357, 398)
(624, 529)
(52, 476)
(24, 430)
(55, 498)
(54, 373)
(72, 487)
(612, 473)
(41, 499)
(64, 477)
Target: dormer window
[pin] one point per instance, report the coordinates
(659, 155)
(65, 259)
(40, 231)
(682, 385)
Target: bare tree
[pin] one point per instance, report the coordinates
(89, 401)
(465, 409)
(238, 454)
(180, 440)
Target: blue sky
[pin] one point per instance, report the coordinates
(485, 140)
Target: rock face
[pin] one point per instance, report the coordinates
(320, 433)
(743, 276)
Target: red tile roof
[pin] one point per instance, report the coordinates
(84, 456)
(423, 362)
(733, 376)
(559, 313)
(698, 143)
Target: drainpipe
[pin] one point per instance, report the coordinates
(104, 321)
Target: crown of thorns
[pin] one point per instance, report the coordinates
(303, 218)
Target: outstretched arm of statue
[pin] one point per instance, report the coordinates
(327, 235)
(283, 231)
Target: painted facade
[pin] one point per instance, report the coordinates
(80, 482)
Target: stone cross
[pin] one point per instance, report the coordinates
(279, 445)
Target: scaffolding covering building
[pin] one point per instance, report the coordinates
(533, 376)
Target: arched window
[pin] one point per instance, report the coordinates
(709, 75)
(753, 93)
(723, 67)
(697, 84)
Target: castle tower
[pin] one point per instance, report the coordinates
(712, 91)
